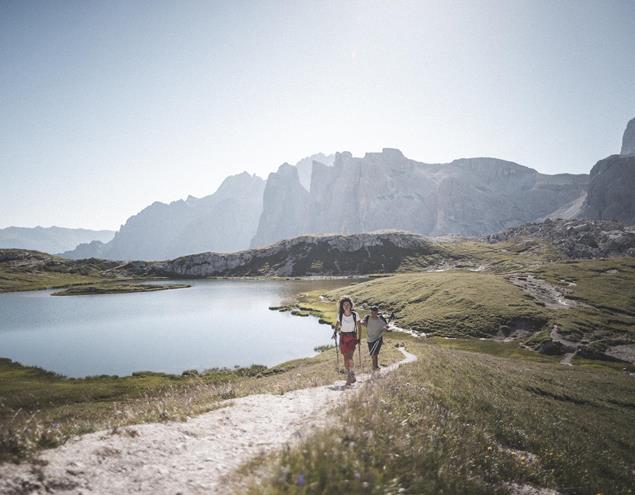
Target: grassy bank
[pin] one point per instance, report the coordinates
(465, 422)
(116, 288)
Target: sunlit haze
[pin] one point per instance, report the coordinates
(108, 106)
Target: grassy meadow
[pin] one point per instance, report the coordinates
(467, 422)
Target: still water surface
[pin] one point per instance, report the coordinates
(214, 323)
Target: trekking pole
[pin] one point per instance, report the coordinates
(337, 353)
(359, 352)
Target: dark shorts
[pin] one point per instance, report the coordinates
(348, 341)
(374, 347)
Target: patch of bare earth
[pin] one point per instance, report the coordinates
(545, 293)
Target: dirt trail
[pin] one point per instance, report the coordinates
(541, 290)
(189, 457)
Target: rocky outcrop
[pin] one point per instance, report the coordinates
(288, 209)
(577, 238)
(628, 140)
(305, 167)
(389, 191)
(50, 239)
(305, 256)
(225, 221)
(611, 194)
(94, 249)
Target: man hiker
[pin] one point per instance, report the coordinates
(350, 329)
(375, 325)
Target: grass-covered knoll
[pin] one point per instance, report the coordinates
(460, 303)
(39, 409)
(116, 288)
(451, 303)
(12, 281)
(463, 422)
(22, 269)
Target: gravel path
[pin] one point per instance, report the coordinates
(189, 457)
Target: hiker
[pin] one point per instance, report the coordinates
(375, 325)
(350, 328)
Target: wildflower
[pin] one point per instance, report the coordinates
(300, 480)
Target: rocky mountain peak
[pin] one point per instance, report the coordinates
(628, 140)
(610, 194)
(239, 185)
(388, 155)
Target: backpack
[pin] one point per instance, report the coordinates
(354, 320)
(381, 317)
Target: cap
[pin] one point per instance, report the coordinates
(374, 307)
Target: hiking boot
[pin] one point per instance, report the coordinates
(350, 379)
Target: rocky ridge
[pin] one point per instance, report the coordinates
(577, 238)
(326, 255)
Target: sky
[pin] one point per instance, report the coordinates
(108, 106)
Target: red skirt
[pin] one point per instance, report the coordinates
(348, 341)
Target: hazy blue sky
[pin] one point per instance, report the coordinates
(108, 106)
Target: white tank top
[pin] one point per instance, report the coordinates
(348, 323)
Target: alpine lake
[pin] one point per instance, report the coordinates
(214, 323)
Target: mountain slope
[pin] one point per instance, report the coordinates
(224, 221)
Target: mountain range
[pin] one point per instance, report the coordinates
(50, 239)
(343, 194)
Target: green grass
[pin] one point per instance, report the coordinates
(607, 287)
(10, 281)
(466, 422)
(452, 303)
(504, 256)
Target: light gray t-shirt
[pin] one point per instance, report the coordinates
(375, 327)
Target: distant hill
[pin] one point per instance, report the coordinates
(50, 239)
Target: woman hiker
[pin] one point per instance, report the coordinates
(375, 325)
(350, 329)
